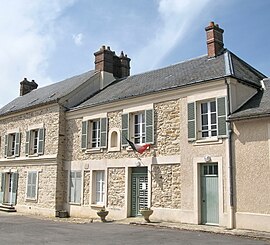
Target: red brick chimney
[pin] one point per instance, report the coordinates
(214, 36)
(106, 60)
(26, 86)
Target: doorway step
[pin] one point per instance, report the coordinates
(5, 207)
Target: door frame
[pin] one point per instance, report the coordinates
(197, 162)
(130, 184)
(8, 196)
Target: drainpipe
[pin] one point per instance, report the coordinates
(230, 163)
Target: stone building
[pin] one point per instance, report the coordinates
(189, 172)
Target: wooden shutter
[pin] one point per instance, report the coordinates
(125, 129)
(41, 137)
(17, 144)
(221, 117)
(84, 138)
(6, 145)
(27, 143)
(3, 184)
(191, 121)
(78, 185)
(149, 126)
(103, 132)
(14, 187)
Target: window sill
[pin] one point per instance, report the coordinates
(74, 203)
(33, 155)
(10, 157)
(93, 150)
(113, 149)
(93, 205)
(34, 200)
(209, 141)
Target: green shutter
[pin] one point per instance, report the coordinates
(3, 183)
(221, 117)
(84, 138)
(103, 132)
(14, 187)
(17, 144)
(125, 129)
(191, 121)
(27, 143)
(6, 145)
(149, 126)
(41, 137)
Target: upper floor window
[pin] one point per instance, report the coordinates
(94, 134)
(12, 144)
(34, 144)
(207, 119)
(138, 127)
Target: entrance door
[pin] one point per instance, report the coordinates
(209, 194)
(139, 190)
(8, 190)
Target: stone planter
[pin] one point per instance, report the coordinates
(102, 215)
(146, 214)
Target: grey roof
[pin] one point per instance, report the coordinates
(257, 106)
(47, 94)
(182, 74)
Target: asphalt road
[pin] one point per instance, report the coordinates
(16, 229)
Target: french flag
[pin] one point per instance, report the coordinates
(138, 148)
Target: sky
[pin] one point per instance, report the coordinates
(49, 41)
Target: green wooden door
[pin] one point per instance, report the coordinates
(209, 194)
(139, 190)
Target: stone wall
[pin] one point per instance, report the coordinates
(86, 187)
(49, 116)
(116, 187)
(166, 186)
(46, 186)
(167, 135)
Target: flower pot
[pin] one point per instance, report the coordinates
(102, 215)
(146, 213)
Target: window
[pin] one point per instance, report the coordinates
(12, 144)
(32, 183)
(99, 187)
(94, 134)
(207, 119)
(208, 115)
(34, 144)
(75, 186)
(138, 126)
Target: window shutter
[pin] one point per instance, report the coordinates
(72, 187)
(191, 121)
(3, 181)
(41, 137)
(17, 144)
(6, 145)
(14, 187)
(34, 184)
(103, 132)
(27, 143)
(221, 117)
(125, 129)
(149, 126)
(78, 184)
(84, 138)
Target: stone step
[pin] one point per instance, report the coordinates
(7, 208)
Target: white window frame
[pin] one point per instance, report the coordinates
(98, 187)
(139, 136)
(33, 143)
(30, 197)
(211, 133)
(75, 200)
(11, 144)
(94, 141)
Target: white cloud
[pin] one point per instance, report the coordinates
(78, 39)
(27, 40)
(176, 16)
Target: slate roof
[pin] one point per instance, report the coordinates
(48, 94)
(257, 106)
(186, 73)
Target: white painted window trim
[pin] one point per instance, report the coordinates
(93, 198)
(13, 131)
(35, 126)
(95, 116)
(138, 108)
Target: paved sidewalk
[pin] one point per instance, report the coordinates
(203, 228)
